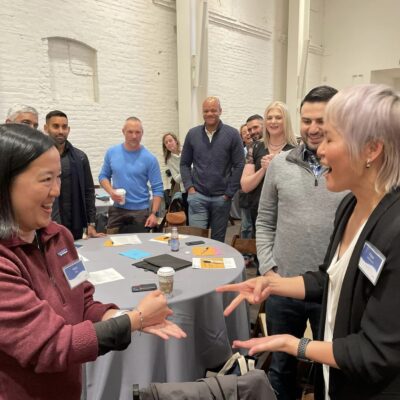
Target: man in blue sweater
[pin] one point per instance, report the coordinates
(131, 166)
(215, 151)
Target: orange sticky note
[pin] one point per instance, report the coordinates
(204, 251)
(212, 263)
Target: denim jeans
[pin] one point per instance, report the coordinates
(285, 315)
(209, 212)
(246, 226)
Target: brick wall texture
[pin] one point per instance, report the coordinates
(134, 47)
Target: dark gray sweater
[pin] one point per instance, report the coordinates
(217, 165)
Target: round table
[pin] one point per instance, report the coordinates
(198, 310)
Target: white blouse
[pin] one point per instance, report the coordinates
(336, 273)
(173, 164)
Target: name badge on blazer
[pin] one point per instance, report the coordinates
(371, 262)
(75, 273)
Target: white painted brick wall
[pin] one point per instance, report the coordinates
(136, 48)
(136, 59)
(240, 73)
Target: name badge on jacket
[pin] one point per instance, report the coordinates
(371, 262)
(75, 273)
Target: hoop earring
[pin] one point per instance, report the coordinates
(368, 164)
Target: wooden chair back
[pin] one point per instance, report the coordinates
(244, 246)
(191, 230)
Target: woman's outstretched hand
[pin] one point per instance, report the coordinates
(254, 291)
(165, 330)
(154, 312)
(284, 343)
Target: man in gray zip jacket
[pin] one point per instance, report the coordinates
(295, 220)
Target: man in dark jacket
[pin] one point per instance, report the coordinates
(76, 204)
(216, 152)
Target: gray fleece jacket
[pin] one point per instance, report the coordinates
(295, 216)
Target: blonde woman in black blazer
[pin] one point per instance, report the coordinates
(358, 354)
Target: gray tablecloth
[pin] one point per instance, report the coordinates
(198, 309)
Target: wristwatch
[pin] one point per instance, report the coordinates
(301, 349)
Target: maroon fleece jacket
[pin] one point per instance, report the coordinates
(46, 328)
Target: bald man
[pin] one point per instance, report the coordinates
(211, 166)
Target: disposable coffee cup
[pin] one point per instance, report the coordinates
(166, 279)
(121, 192)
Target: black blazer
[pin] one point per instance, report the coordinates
(366, 337)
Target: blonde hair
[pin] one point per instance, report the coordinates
(290, 138)
(370, 113)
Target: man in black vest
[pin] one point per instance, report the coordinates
(77, 197)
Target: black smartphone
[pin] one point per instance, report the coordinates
(144, 287)
(195, 242)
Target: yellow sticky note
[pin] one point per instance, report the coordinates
(164, 238)
(212, 263)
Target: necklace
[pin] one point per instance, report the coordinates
(276, 146)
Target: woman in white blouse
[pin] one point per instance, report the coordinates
(172, 158)
(357, 355)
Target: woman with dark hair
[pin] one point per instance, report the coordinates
(357, 353)
(50, 323)
(172, 157)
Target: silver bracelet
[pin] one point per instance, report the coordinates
(140, 318)
(301, 349)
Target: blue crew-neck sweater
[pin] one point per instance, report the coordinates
(132, 170)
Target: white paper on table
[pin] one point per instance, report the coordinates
(123, 240)
(104, 276)
(228, 263)
(82, 258)
(165, 237)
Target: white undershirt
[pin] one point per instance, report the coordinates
(210, 133)
(336, 273)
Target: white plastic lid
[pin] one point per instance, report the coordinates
(166, 271)
(120, 191)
